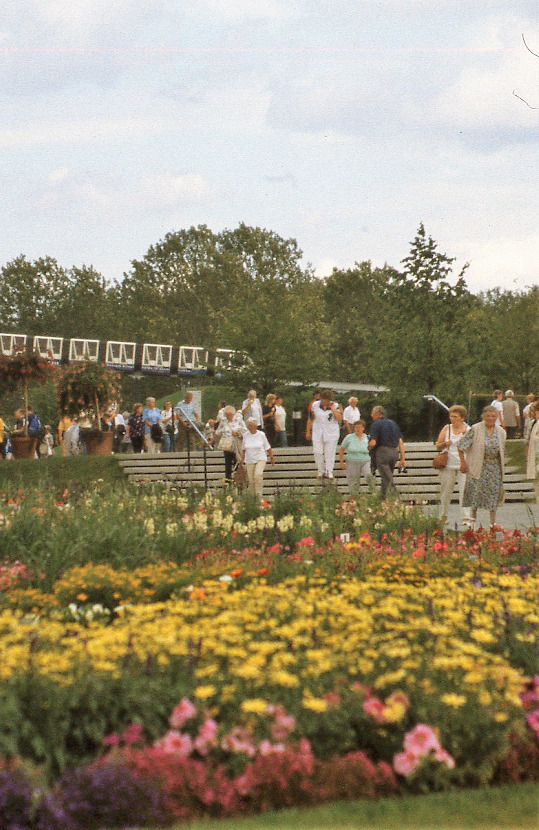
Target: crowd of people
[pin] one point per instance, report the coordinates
(247, 433)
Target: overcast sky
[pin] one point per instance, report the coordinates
(340, 123)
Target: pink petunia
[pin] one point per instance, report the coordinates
(533, 721)
(404, 763)
(181, 713)
(421, 740)
(374, 708)
(207, 737)
(175, 743)
(444, 757)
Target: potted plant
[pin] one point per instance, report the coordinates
(86, 389)
(20, 369)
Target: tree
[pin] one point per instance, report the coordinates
(276, 316)
(31, 295)
(423, 347)
(88, 308)
(357, 309)
(179, 291)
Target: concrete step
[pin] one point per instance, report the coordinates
(294, 467)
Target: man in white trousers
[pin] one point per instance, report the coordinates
(324, 428)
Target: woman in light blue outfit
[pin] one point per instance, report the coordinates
(484, 446)
(358, 460)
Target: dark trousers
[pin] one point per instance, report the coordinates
(511, 432)
(386, 458)
(230, 462)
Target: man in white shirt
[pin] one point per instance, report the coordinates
(498, 406)
(280, 423)
(351, 415)
(252, 408)
(324, 427)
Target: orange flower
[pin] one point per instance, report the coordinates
(236, 572)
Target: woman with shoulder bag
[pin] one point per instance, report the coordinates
(228, 434)
(447, 444)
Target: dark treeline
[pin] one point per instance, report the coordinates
(416, 329)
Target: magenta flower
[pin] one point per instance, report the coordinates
(405, 763)
(421, 740)
(175, 743)
(181, 713)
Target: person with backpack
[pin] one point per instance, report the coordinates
(35, 430)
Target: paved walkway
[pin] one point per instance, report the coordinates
(509, 516)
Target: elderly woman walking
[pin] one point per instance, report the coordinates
(228, 438)
(482, 458)
(448, 441)
(256, 449)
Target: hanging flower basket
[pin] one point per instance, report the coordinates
(22, 368)
(86, 387)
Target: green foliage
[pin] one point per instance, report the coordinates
(53, 475)
(417, 330)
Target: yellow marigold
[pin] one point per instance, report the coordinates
(254, 705)
(204, 692)
(500, 717)
(452, 699)
(284, 678)
(316, 704)
(481, 635)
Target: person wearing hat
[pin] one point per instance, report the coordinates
(511, 414)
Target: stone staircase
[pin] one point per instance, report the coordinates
(295, 467)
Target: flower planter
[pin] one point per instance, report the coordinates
(96, 442)
(23, 446)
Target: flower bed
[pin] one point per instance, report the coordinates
(389, 657)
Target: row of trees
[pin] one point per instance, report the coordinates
(416, 329)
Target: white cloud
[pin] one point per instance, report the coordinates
(92, 131)
(114, 196)
(165, 190)
(482, 97)
(325, 267)
(506, 261)
(272, 10)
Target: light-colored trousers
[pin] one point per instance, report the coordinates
(354, 471)
(324, 450)
(153, 447)
(255, 473)
(448, 476)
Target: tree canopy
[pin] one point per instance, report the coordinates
(416, 329)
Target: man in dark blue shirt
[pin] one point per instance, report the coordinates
(387, 445)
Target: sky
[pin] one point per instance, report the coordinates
(342, 124)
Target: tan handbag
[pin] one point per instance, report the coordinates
(440, 459)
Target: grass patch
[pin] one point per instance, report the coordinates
(513, 807)
(516, 455)
(56, 473)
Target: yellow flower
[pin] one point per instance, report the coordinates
(255, 705)
(452, 699)
(500, 717)
(204, 692)
(316, 704)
